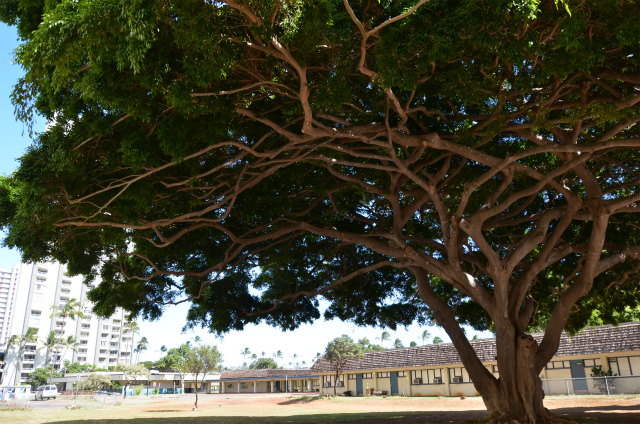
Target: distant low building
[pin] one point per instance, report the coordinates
(164, 382)
(436, 370)
(269, 381)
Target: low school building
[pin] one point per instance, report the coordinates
(269, 381)
(436, 370)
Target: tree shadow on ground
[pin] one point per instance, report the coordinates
(603, 414)
(360, 418)
(613, 414)
(300, 400)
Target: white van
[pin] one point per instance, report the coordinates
(46, 392)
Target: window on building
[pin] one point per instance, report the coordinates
(625, 365)
(367, 376)
(36, 314)
(383, 375)
(458, 376)
(431, 376)
(558, 365)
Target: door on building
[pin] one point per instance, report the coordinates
(393, 377)
(277, 385)
(359, 384)
(579, 377)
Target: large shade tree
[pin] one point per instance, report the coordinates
(471, 162)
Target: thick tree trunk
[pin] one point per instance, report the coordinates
(517, 395)
(520, 386)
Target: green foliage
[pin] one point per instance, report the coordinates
(132, 371)
(40, 377)
(599, 372)
(72, 367)
(340, 350)
(203, 359)
(263, 363)
(175, 359)
(137, 391)
(94, 382)
(367, 346)
(9, 200)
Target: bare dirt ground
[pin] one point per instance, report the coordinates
(618, 410)
(309, 409)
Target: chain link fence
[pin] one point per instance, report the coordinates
(625, 385)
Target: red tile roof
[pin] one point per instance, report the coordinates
(604, 339)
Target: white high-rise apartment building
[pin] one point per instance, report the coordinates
(103, 342)
(8, 289)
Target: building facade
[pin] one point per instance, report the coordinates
(269, 381)
(102, 342)
(436, 370)
(8, 291)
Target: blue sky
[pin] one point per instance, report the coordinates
(304, 342)
(12, 140)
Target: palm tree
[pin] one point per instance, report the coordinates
(142, 345)
(72, 309)
(31, 336)
(263, 354)
(295, 356)
(244, 354)
(133, 328)
(49, 343)
(398, 344)
(163, 349)
(384, 336)
(425, 336)
(437, 340)
(278, 355)
(413, 344)
(69, 343)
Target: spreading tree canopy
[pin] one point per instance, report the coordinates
(471, 162)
